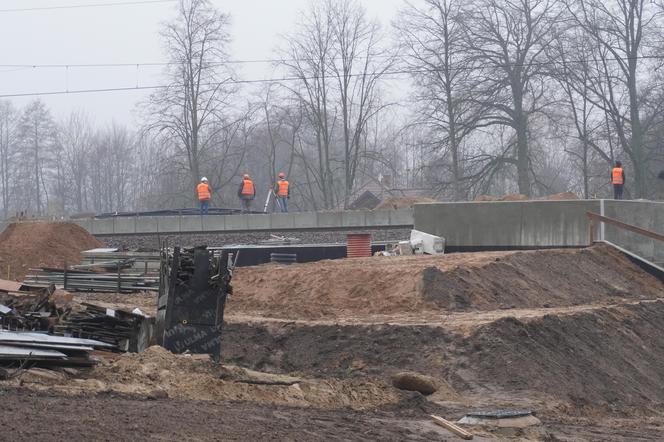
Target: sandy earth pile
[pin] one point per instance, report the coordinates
(564, 196)
(456, 282)
(37, 244)
(403, 202)
(158, 373)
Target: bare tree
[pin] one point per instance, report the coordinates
(432, 36)
(37, 137)
(360, 64)
(188, 112)
(510, 39)
(307, 55)
(8, 140)
(75, 136)
(621, 30)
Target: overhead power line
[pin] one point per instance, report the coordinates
(290, 60)
(387, 73)
(91, 5)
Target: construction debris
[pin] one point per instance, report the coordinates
(28, 308)
(91, 281)
(29, 349)
(125, 331)
(463, 434)
(501, 418)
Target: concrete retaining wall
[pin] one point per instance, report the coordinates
(349, 220)
(645, 214)
(508, 223)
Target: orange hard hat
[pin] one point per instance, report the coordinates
(282, 175)
(246, 176)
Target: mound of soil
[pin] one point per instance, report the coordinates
(457, 282)
(35, 244)
(606, 356)
(403, 202)
(509, 197)
(157, 373)
(565, 196)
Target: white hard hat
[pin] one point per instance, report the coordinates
(204, 179)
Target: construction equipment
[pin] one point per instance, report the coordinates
(267, 201)
(193, 287)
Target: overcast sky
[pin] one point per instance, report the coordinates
(125, 34)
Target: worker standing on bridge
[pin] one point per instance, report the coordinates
(282, 190)
(246, 193)
(618, 180)
(204, 195)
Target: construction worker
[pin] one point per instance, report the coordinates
(204, 195)
(282, 191)
(246, 193)
(618, 180)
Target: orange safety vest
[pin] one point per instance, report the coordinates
(248, 187)
(282, 188)
(618, 175)
(203, 191)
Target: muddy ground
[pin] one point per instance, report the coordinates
(574, 335)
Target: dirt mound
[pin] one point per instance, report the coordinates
(157, 373)
(508, 197)
(457, 282)
(607, 356)
(403, 202)
(35, 244)
(565, 196)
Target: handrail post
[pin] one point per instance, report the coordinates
(591, 230)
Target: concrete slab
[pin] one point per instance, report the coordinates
(236, 223)
(638, 213)
(402, 217)
(377, 218)
(124, 226)
(282, 221)
(472, 224)
(213, 223)
(147, 224)
(556, 223)
(259, 222)
(354, 218)
(326, 220)
(103, 227)
(305, 220)
(191, 223)
(168, 224)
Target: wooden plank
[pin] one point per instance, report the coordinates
(452, 427)
(622, 225)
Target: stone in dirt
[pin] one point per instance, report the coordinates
(411, 381)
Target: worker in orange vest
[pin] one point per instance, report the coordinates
(618, 180)
(246, 193)
(204, 195)
(282, 191)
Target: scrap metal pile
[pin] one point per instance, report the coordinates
(40, 325)
(27, 349)
(124, 330)
(92, 281)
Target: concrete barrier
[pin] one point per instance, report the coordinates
(645, 214)
(274, 222)
(502, 224)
